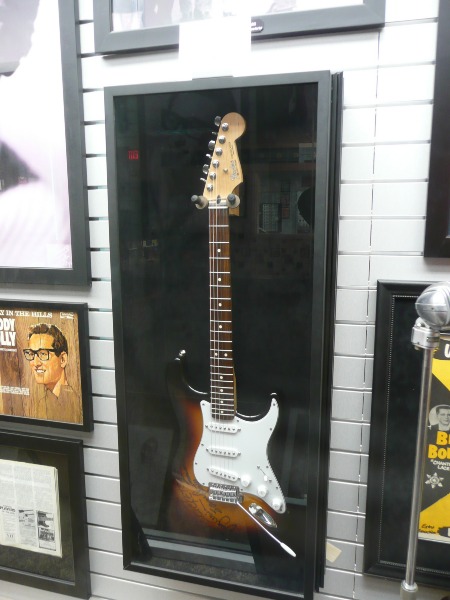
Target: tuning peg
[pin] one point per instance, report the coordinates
(205, 169)
(211, 145)
(217, 121)
(214, 133)
(208, 156)
(233, 200)
(199, 201)
(203, 179)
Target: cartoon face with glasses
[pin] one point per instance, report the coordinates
(47, 355)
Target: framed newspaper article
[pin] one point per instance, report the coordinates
(43, 530)
(395, 407)
(44, 358)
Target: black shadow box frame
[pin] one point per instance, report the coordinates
(26, 399)
(437, 231)
(395, 406)
(68, 575)
(368, 14)
(79, 273)
(282, 260)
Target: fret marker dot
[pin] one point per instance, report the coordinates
(220, 326)
(225, 354)
(220, 303)
(218, 250)
(221, 389)
(220, 279)
(221, 377)
(215, 354)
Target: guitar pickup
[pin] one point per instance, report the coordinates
(227, 452)
(223, 474)
(222, 427)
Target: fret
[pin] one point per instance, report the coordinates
(222, 383)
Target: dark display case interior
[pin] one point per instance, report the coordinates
(208, 494)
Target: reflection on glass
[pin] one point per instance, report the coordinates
(137, 14)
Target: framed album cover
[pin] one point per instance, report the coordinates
(43, 528)
(393, 430)
(44, 227)
(437, 231)
(131, 25)
(222, 275)
(44, 364)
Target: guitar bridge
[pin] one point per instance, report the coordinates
(221, 492)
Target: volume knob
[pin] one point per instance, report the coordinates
(245, 480)
(262, 491)
(277, 503)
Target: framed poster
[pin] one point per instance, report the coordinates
(395, 406)
(131, 25)
(43, 529)
(44, 364)
(437, 231)
(246, 514)
(44, 227)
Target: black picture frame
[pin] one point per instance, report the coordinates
(63, 269)
(22, 397)
(369, 14)
(129, 156)
(68, 575)
(395, 407)
(437, 230)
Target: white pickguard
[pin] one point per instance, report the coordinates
(235, 452)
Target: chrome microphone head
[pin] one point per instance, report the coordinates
(433, 305)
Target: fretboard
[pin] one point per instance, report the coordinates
(223, 395)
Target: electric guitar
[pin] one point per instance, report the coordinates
(224, 475)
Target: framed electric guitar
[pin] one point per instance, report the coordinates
(222, 286)
(229, 474)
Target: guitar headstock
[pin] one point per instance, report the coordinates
(224, 173)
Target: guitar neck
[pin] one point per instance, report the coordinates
(223, 387)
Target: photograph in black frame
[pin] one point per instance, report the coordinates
(68, 575)
(42, 180)
(368, 14)
(395, 407)
(437, 231)
(53, 389)
(157, 138)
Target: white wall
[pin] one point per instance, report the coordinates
(388, 79)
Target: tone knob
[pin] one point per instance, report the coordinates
(262, 491)
(277, 503)
(245, 480)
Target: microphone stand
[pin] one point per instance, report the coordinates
(433, 308)
(425, 338)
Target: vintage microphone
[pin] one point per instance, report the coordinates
(433, 308)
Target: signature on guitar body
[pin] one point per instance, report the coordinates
(225, 475)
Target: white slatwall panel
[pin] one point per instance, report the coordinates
(388, 93)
